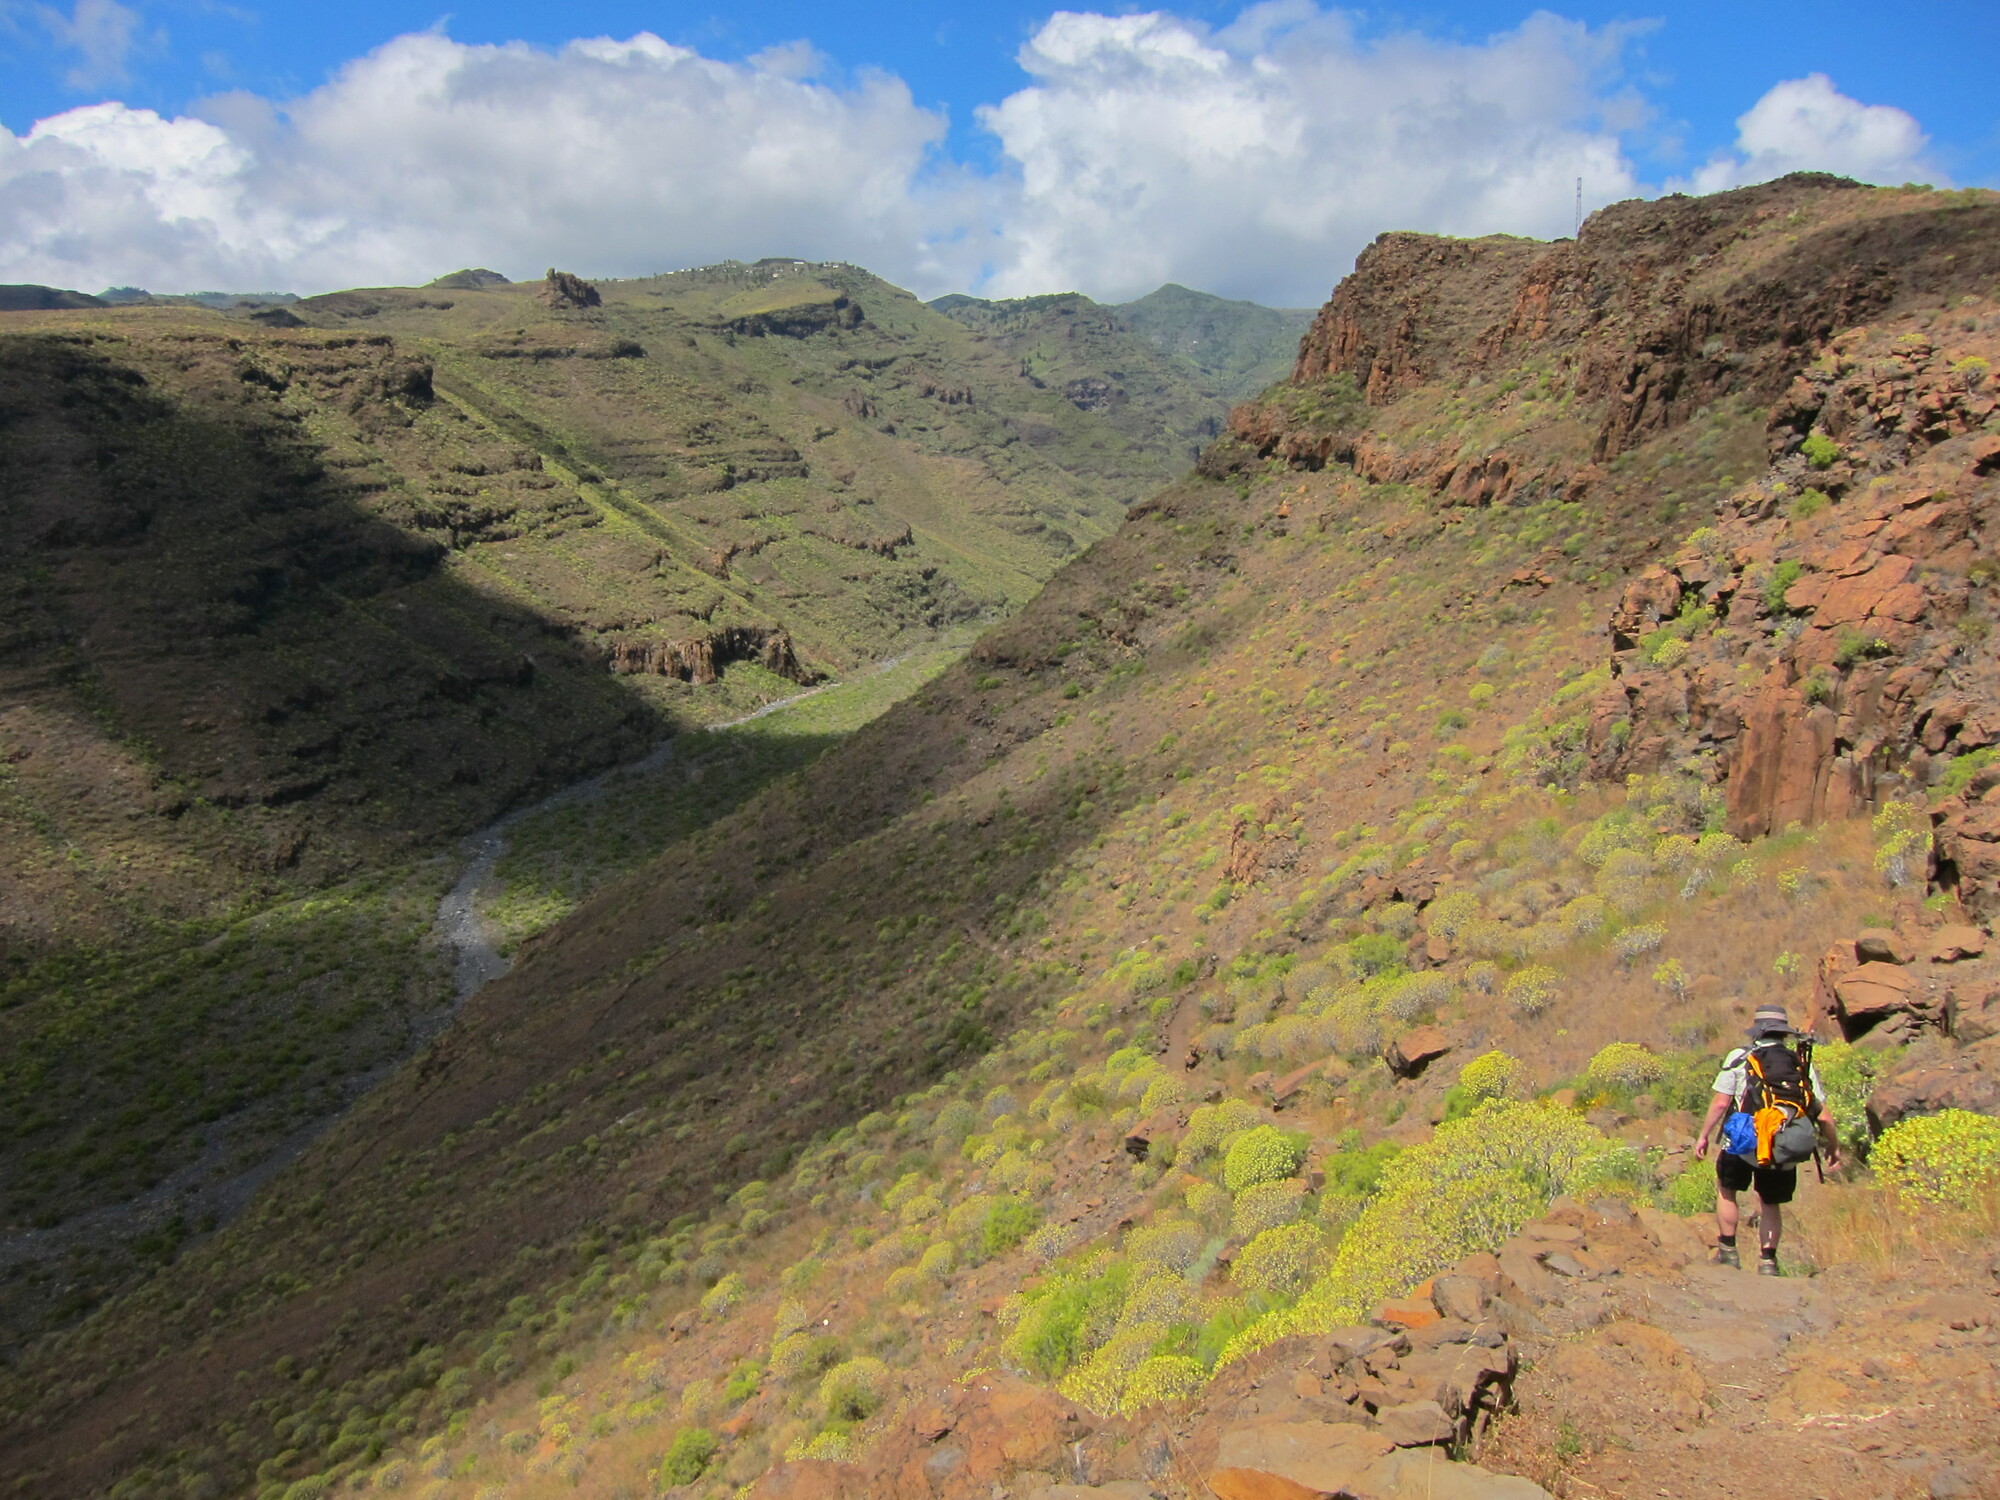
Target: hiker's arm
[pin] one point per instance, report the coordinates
(1717, 1108)
(1829, 1135)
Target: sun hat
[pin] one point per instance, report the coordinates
(1770, 1020)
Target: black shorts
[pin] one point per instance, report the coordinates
(1774, 1184)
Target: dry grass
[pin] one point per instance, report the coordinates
(1859, 1223)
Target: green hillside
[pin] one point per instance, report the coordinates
(294, 595)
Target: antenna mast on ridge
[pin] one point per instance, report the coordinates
(1579, 208)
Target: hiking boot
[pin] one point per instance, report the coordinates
(1725, 1255)
(1767, 1265)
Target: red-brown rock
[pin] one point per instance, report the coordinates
(1882, 945)
(1293, 1460)
(1409, 1054)
(1867, 995)
(1951, 944)
(1967, 1079)
(1976, 1016)
(1407, 1312)
(809, 1479)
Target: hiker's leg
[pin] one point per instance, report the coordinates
(1726, 1211)
(1773, 1216)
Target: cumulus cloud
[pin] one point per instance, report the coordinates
(1253, 159)
(1806, 124)
(617, 156)
(1257, 159)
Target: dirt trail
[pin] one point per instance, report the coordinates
(1857, 1384)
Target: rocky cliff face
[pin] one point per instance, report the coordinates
(1821, 638)
(1656, 311)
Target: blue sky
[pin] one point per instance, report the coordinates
(998, 146)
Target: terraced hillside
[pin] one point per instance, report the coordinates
(1371, 841)
(293, 595)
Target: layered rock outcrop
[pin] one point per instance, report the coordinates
(700, 659)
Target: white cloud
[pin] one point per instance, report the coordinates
(1258, 159)
(101, 32)
(1254, 159)
(1806, 124)
(611, 156)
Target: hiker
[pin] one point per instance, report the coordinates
(1775, 1115)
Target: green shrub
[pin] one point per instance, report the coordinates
(1008, 1222)
(1945, 1160)
(742, 1382)
(720, 1298)
(854, 1390)
(1809, 504)
(1691, 1191)
(1848, 1074)
(799, 1356)
(1262, 1154)
(1373, 953)
(1625, 1065)
(1818, 686)
(954, 1123)
(1855, 645)
(1059, 1322)
(688, 1458)
(1820, 450)
(1958, 773)
(1780, 579)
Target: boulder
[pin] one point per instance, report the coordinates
(1282, 1089)
(1162, 1125)
(1416, 1425)
(1882, 945)
(1407, 1312)
(997, 1423)
(1949, 945)
(809, 1479)
(1524, 1279)
(1968, 844)
(1934, 1080)
(1409, 1054)
(1865, 996)
(1976, 1014)
(1461, 1297)
(1293, 1460)
(1425, 1474)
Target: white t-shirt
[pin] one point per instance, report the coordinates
(1735, 1072)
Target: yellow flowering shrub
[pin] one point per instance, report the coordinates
(1624, 1065)
(1473, 1183)
(1266, 1205)
(1262, 1154)
(1490, 1075)
(1945, 1160)
(1279, 1262)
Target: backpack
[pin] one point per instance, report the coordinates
(1778, 1106)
